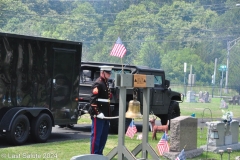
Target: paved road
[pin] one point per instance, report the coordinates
(62, 134)
(59, 134)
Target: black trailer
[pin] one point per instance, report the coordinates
(39, 81)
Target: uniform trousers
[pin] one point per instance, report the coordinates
(99, 134)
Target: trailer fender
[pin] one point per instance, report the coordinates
(12, 113)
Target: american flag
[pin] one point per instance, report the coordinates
(181, 156)
(118, 49)
(162, 145)
(132, 129)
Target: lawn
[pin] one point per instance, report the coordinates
(208, 110)
(201, 110)
(67, 149)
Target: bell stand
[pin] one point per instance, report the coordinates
(140, 81)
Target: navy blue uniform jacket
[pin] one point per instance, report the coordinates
(100, 91)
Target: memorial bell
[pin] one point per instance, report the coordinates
(134, 108)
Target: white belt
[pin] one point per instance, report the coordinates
(103, 100)
(108, 117)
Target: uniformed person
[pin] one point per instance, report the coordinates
(99, 110)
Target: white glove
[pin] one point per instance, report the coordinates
(101, 116)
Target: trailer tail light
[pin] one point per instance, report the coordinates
(81, 99)
(110, 95)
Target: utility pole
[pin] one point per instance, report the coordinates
(222, 68)
(214, 76)
(230, 45)
(185, 84)
(191, 76)
(228, 52)
(215, 68)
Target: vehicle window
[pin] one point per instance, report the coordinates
(85, 76)
(158, 80)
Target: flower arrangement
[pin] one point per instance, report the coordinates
(227, 116)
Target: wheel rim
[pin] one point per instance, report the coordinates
(20, 130)
(43, 129)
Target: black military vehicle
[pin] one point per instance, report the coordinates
(39, 80)
(163, 101)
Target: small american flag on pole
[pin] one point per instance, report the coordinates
(118, 49)
(132, 129)
(162, 145)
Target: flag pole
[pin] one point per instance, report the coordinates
(131, 124)
(122, 66)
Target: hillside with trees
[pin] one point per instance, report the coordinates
(159, 34)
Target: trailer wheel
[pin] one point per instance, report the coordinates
(41, 128)
(19, 130)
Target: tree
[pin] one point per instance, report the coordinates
(13, 13)
(184, 24)
(79, 27)
(149, 54)
(132, 26)
(173, 62)
(227, 25)
(155, 33)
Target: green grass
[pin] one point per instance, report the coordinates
(215, 91)
(201, 110)
(67, 149)
(207, 110)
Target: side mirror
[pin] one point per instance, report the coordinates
(111, 83)
(167, 83)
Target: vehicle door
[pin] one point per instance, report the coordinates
(64, 82)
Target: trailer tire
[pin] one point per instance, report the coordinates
(41, 128)
(19, 130)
